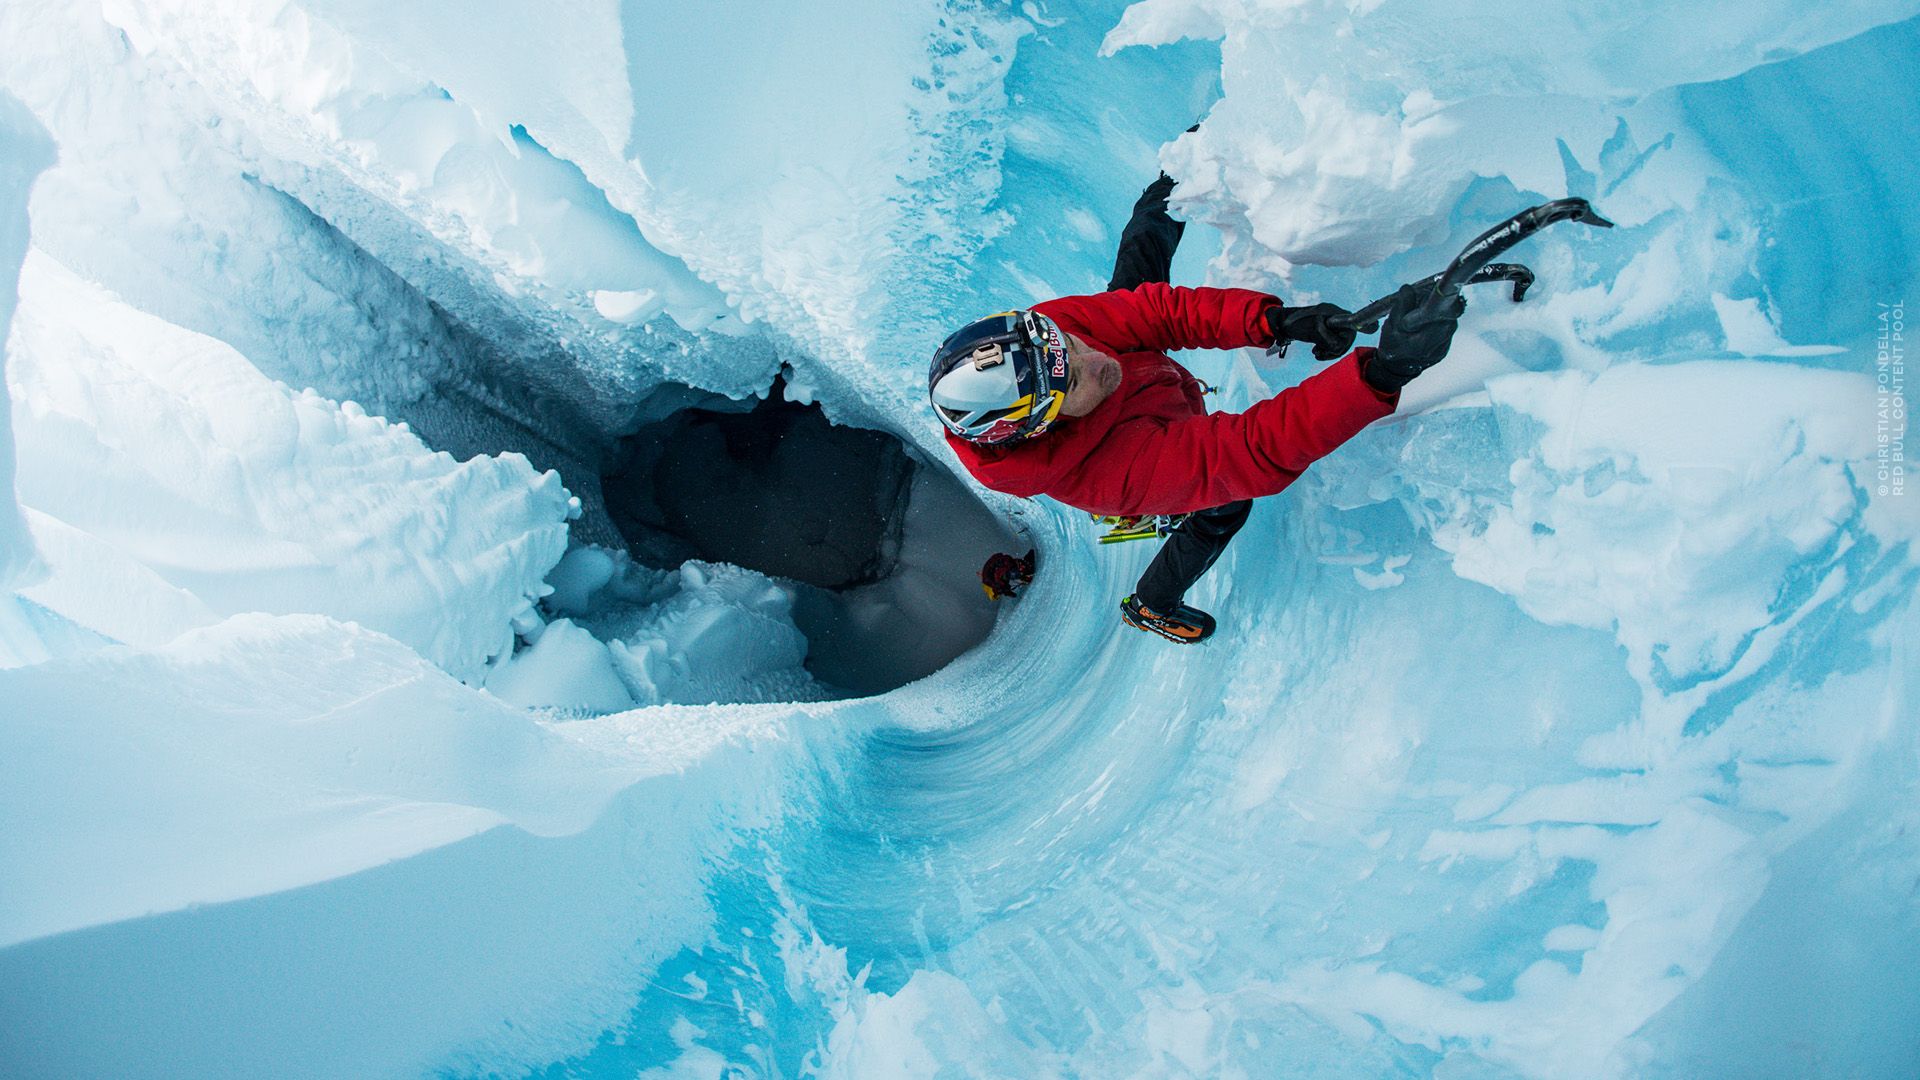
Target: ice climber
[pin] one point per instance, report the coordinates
(1076, 399)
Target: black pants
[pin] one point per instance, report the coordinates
(1146, 254)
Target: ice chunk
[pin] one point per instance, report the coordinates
(628, 308)
(723, 635)
(567, 668)
(1362, 143)
(912, 1032)
(581, 573)
(1684, 507)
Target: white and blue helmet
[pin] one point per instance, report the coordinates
(1000, 379)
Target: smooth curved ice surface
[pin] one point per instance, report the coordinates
(1557, 726)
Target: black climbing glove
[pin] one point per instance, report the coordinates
(1419, 331)
(1311, 324)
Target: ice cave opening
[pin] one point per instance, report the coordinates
(880, 549)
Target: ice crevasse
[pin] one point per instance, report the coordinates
(1558, 725)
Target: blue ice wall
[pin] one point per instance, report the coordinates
(1385, 825)
(1558, 725)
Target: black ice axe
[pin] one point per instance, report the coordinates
(1474, 265)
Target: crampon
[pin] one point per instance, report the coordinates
(1183, 624)
(1137, 526)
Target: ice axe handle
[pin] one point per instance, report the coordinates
(1475, 262)
(1490, 244)
(1367, 319)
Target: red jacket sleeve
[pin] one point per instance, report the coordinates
(1186, 465)
(1156, 317)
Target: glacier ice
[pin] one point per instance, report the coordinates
(27, 152)
(1559, 724)
(177, 454)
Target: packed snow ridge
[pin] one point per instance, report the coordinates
(483, 595)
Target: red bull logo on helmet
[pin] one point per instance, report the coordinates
(1001, 431)
(1046, 333)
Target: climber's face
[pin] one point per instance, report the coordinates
(1092, 377)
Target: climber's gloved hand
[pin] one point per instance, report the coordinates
(1419, 331)
(1310, 324)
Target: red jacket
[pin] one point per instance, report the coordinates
(1151, 447)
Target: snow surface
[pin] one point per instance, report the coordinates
(1558, 726)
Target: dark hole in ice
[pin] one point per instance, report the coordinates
(778, 489)
(885, 552)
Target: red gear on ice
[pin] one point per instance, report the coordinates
(1151, 447)
(1006, 575)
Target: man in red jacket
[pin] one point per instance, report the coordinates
(1076, 398)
